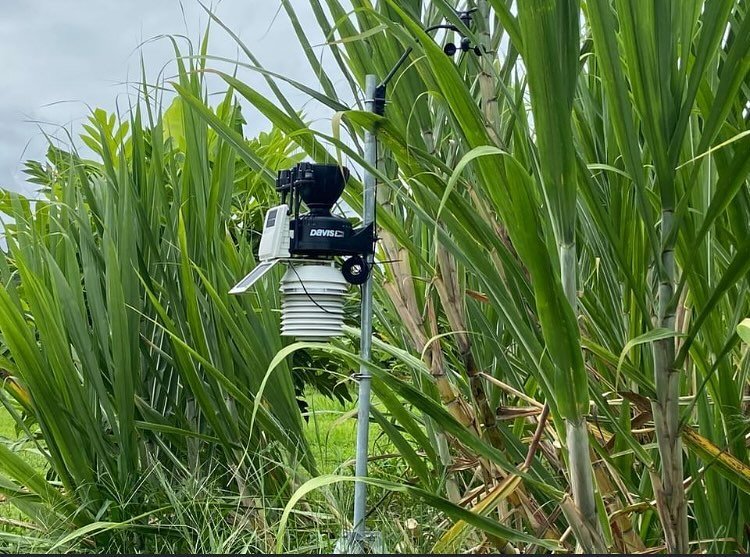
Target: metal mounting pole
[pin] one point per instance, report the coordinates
(375, 93)
(363, 412)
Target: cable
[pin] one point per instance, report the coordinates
(299, 278)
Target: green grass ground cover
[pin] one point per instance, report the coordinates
(331, 430)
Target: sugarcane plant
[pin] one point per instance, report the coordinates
(592, 159)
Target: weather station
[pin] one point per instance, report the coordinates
(314, 285)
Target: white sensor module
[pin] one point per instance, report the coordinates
(274, 244)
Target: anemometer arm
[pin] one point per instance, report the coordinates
(450, 49)
(380, 89)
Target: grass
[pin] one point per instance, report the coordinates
(10, 515)
(9, 434)
(330, 428)
(7, 425)
(406, 525)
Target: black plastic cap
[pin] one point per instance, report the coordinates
(320, 185)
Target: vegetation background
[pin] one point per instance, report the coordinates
(561, 341)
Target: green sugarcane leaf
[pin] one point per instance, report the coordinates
(743, 330)
(646, 338)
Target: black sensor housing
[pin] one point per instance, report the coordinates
(318, 233)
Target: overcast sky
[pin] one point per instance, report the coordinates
(60, 58)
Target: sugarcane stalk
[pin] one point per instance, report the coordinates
(487, 83)
(448, 289)
(670, 494)
(402, 292)
(581, 471)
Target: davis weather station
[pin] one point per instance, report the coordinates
(324, 254)
(313, 287)
(313, 243)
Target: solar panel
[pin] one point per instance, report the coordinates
(252, 277)
(271, 218)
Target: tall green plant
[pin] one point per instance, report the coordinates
(122, 343)
(666, 54)
(485, 185)
(551, 39)
(650, 181)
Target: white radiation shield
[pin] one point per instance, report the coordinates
(313, 301)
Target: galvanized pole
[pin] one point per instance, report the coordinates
(363, 412)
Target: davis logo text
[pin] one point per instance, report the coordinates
(326, 233)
